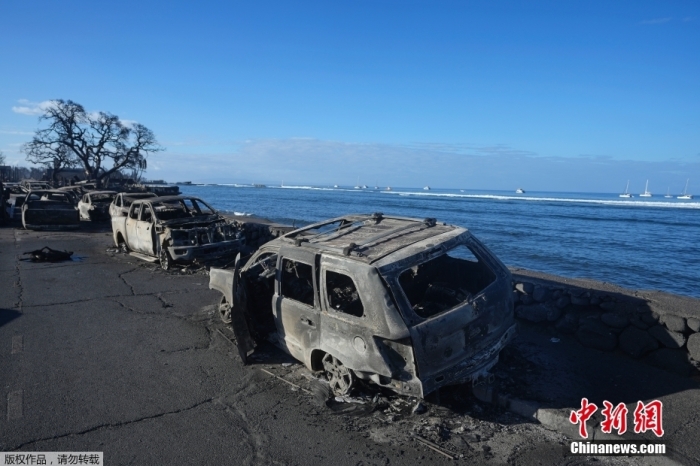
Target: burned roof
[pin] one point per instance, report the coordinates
(368, 238)
(168, 198)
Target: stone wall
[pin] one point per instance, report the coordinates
(259, 233)
(613, 321)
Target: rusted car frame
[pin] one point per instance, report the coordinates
(411, 305)
(49, 210)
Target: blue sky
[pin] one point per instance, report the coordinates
(575, 96)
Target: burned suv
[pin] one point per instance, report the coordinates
(411, 305)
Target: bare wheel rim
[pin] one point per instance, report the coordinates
(123, 247)
(164, 259)
(225, 310)
(339, 377)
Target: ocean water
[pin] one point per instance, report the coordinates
(638, 243)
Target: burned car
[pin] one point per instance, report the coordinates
(49, 209)
(122, 201)
(94, 205)
(410, 305)
(33, 185)
(175, 229)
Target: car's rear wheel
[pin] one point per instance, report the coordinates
(225, 310)
(123, 248)
(340, 378)
(166, 262)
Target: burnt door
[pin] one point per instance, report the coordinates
(145, 232)
(295, 302)
(130, 226)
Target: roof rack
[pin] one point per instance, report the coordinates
(356, 222)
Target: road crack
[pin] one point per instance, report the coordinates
(112, 425)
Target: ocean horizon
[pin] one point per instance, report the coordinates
(637, 243)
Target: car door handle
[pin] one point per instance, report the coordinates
(307, 321)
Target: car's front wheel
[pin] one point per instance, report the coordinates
(166, 262)
(225, 310)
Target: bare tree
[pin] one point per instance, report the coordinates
(99, 142)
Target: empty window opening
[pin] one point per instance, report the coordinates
(342, 294)
(297, 281)
(445, 281)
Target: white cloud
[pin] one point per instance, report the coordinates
(32, 108)
(656, 21)
(17, 133)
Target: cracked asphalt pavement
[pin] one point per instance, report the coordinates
(110, 353)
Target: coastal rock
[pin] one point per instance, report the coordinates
(553, 313)
(694, 346)
(674, 323)
(615, 320)
(595, 300)
(516, 296)
(580, 301)
(636, 342)
(563, 301)
(541, 294)
(567, 324)
(595, 334)
(536, 313)
(694, 324)
(667, 337)
(610, 306)
(650, 318)
(637, 321)
(526, 299)
(525, 288)
(672, 360)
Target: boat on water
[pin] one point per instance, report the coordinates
(646, 192)
(627, 191)
(335, 185)
(426, 188)
(388, 188)
(520, 191)
(685, 194)
(668, 193)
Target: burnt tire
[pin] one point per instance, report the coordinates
(123, 248)
(166, 262)
(225, 310)
(340, 378)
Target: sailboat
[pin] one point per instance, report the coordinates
(685, 194)
(646, 192)
(426, 188)
(520, 191)
(627, 191)
(668, 193)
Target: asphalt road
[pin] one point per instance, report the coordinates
(110, 353)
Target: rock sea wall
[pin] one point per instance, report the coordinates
(653, 327)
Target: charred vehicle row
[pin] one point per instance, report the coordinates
(411, 305)
(175, 229)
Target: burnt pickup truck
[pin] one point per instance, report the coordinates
(175, 229)
(411, 305)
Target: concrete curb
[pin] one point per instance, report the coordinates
(558, 420)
